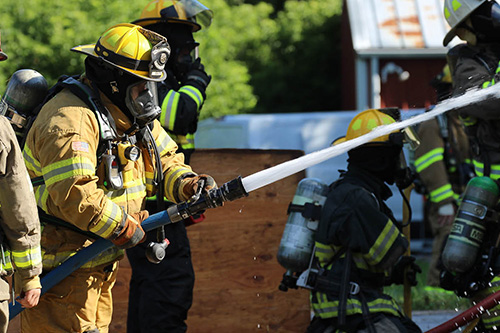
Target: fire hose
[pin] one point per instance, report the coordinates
(216, 197)
(468, 315)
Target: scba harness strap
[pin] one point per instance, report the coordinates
(107, 131)
(107, 126)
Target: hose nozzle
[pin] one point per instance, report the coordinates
(216, 197)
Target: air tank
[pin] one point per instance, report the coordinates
(469, 227)
(297, 241)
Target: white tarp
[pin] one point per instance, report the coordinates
(310, 132)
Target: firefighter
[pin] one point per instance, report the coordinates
(475, 64)
(443, 165)
(19, 226)
(94, 167)
(163, 291)
(359, 245)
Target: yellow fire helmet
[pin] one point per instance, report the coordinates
(365, 121)
(132, 48)
(190, 12)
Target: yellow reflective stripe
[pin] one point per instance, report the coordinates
(194, 93)
(28, 258)
(487, 84)
(41, 195)
(169, 109)
(32, 163)
(382, 244)
(323, 252)
(479, 169)
(111, 218)
(120, 197)
(51, 261)
(184, 141)
(5, 260)
(189, 144)
(64, 169)
(170, 177)
(328, 309)
(360, 262)
(441, 193)
(164, 143)
(433, 156)
(468, 121)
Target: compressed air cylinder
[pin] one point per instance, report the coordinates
(468, 229)
(297, 241)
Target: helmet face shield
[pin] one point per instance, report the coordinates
(411, 139)
(407, 138)
(142, 102)
(190, 10)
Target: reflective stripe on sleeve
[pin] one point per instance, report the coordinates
(111, 218)
(29, 258)
(433, 156)
(68, 168)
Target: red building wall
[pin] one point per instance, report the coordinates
(415, 92)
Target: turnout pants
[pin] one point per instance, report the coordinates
(82, 302)
(161, 294)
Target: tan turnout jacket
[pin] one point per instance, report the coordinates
(19, 224)
(62, 148)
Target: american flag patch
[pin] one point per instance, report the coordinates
(80, 146)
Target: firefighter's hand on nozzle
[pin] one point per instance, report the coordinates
(197, 184)
(405, 266)
(131, 233)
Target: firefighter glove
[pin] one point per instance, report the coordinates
(405, 264)
(197, 76)
(196, 184)
(131, 232)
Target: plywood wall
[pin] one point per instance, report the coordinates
(234, 254)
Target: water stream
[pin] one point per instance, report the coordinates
(283, 170)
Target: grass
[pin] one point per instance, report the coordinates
(425, 298)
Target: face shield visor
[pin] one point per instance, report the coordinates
(142, 102)
(191, 10)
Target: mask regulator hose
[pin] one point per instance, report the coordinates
(213, 198)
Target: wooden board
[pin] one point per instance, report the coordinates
(234, 253)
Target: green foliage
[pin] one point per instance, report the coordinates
(39, 34)
(263, 56)
(428, 298)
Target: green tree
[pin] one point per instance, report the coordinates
(300, 71)
(264, 56)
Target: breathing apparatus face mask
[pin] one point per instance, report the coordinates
(407, 138)
(142, 102)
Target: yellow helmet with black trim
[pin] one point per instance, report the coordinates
(190, 12)
(132, 48)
